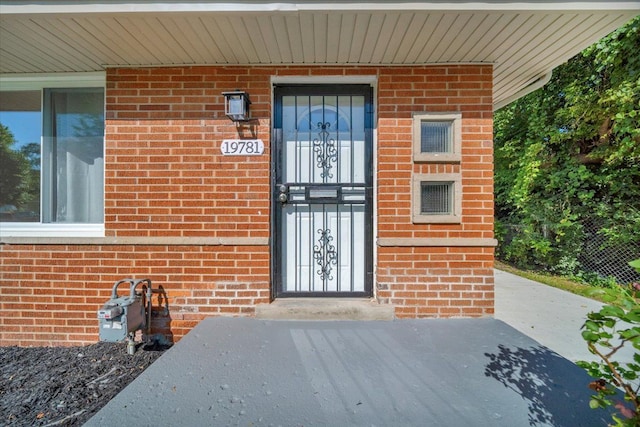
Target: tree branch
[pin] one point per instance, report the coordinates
(620, 382)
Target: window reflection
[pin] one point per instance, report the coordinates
(20, 130)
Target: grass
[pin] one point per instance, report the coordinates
(551, 280)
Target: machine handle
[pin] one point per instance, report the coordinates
(133, 284)
(114, 291)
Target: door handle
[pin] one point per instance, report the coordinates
(283, 197)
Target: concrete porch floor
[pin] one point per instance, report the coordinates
(432, 372)
(455, 372)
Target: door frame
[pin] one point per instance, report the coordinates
(282, 89)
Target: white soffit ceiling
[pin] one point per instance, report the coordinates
(524, 41)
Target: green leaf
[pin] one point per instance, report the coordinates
(594, 315)
(590, 336)
(592, 326)
(632, 316)
(634, 367)
(611, 310)
(629, 334)
(583, 364)
(594, 404)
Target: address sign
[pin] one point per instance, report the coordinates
(242, 147)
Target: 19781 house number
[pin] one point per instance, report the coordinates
(242, 147)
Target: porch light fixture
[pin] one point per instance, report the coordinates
(236, 106)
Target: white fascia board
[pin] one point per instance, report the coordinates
(477, 6)
(79, 7)
(89, 7)
(30, 81)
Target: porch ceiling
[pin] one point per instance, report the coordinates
(524, 41)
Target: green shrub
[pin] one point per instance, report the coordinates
(606, 332)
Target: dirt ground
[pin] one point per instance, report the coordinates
(65, 386)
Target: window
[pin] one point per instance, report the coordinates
(436, 137)
(436, 198)
(52, 158)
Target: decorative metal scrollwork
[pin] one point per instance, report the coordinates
(325, 150)
(325, 254)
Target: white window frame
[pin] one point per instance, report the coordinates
(455, 122)
(40, 82)
(452, 178)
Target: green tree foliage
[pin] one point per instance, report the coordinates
(15, 169)
(19, 176)
(568, 155)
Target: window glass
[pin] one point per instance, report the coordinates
(436, 198)
(435, 137)
(73, 160)
(51, 156)
(20, 136)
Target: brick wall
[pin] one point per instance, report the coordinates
(165, 175)
(436, 281)
(197, 222)
(51, 293)
(432, 280)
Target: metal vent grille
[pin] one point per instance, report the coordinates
(436, 137)
(436, 198)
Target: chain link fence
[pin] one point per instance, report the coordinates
(597, 255)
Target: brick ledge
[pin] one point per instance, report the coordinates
(439, 242)
(146, 241)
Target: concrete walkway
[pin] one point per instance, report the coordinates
(550, 316)
(434, 372)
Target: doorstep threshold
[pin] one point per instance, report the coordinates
(325, 309)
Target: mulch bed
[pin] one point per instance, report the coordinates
(48, 386)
